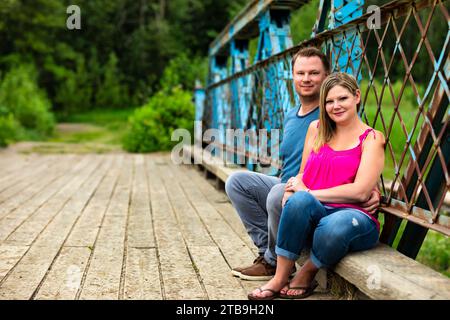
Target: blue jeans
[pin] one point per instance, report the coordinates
(257, 199)
(334, 231)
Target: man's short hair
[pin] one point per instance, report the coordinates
(311, 52)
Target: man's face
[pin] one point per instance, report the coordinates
(308, 74)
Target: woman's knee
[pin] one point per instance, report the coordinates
(301, 200)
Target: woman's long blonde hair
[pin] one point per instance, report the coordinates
(328, 126)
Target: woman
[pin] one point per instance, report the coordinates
(342, 161)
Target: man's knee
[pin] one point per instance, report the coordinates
(275, 197)
(232, 184)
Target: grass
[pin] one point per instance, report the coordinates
(408, 109)
(101, 126)
(434, 252)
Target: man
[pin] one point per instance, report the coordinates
(257, 197)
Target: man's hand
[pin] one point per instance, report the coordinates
(286, 196)
(372, 204)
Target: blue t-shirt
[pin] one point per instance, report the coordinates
(294, 134)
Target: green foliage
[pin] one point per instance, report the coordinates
(10, 130)
(134, 41)
(152, 125)
(435, 252)
(111, 92)
(76, 88)
(21, 97)
(183, 70)
(302, 21)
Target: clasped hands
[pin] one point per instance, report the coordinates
(294, 184)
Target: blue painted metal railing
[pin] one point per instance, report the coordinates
(244, 96)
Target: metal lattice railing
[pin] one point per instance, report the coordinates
(405, 94)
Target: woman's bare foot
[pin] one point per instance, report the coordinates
(267, 290)
(303, 278)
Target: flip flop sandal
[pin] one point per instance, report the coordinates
(271, 297)
(308, 290)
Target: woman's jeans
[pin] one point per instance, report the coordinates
(334, 231)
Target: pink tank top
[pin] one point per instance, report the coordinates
(329, 168)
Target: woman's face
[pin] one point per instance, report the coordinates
(340, 104)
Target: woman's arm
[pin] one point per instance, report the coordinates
(370, 168)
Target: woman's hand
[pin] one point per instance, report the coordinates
(294, 184)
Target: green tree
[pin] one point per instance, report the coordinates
(112, 93)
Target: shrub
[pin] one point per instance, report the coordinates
(10, 130)
(151, 126)
(21, 97)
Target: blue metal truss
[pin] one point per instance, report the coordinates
(346, 51)
(231, 105)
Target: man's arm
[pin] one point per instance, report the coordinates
(372, 204)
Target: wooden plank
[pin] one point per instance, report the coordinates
(215, 274)
(86, 229)
(28, 176)
(103, 277)
(25, 279)
(64, 278)
(140, 227)
(10, 162)
(179, 277)
(34, 207)
(217, 281)
(219, 200)
(9, 255)
(383, 273)
(142, 280)
(24, 170)
(212, 164)
(234, 249)
(191, 226)
(12, 214)
(65, 282)
(30, 229)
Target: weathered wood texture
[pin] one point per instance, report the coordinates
(117, 227)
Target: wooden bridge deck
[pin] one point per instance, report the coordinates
(117, 226)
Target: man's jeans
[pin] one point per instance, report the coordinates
(336, 231)
(257, 199)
